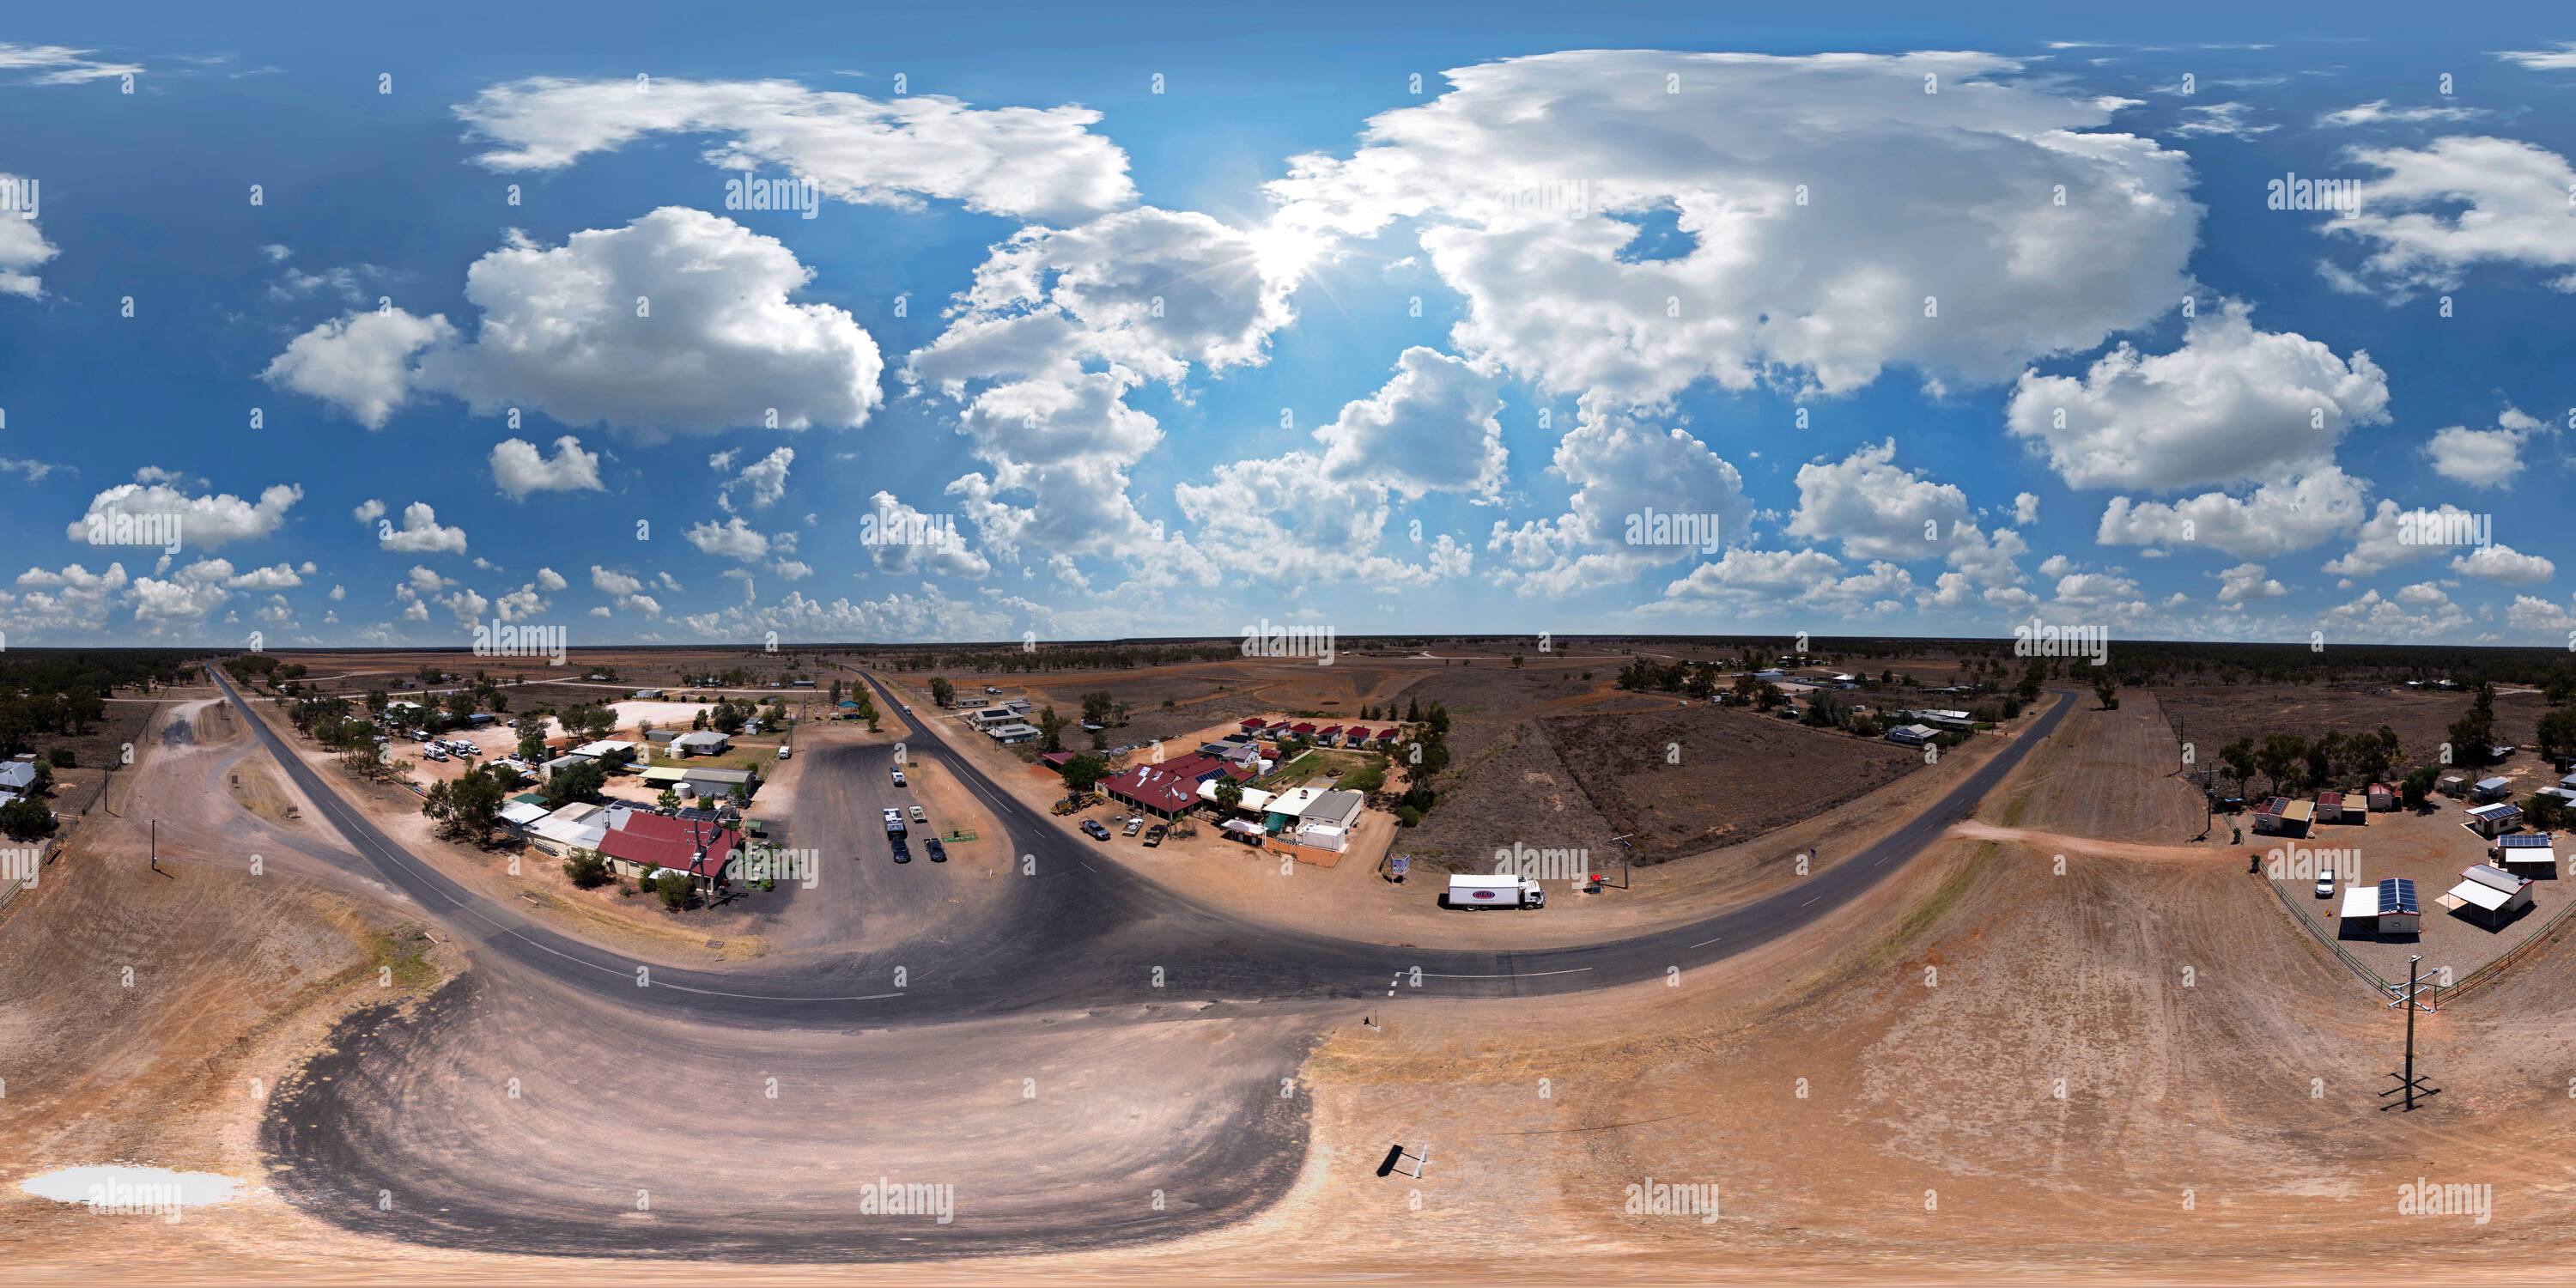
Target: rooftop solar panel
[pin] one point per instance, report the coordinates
(2524, 841)
(2396, 894)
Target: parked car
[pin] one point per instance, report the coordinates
(782, 751)
(434, 753)
(991, 689)
(1092, 826)
(1135, 824)
(898, 778)
(2325, 884)
(902, 851)
(918, 816)
(1154, 835)
(464, 748)
(938, 853)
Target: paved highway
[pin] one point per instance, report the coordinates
(1080, 933)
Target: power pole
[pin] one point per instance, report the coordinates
(2407, 1082)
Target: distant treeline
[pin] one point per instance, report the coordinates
(64, 691)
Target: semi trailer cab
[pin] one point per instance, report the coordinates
(1495, 892)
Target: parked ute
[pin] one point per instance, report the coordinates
(902, 852)
(1155, 834)
(2325, 884)
(1092, 826)
(894, 821)
(938, 853)
(782, 751)
(1135, 825)
(918, 816)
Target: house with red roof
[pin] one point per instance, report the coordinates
(637, 843)
(1167, 789)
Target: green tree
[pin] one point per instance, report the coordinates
(675, 889)
(2557, 737)
(586, 869)
(26, 819)
(2418, 786)
(1084, 772)
(2238, 757)
(575, 783)
(2106, 690)
(942, 693)
(1229, 795)
(2280, 758)
(1051, 729)
(2473, 734)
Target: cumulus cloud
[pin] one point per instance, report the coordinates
(1825, 231)
(765, 479)
(2245, 583)
(732, 539)
(715, 343)
(360, 363)
(2483, 458)
(2276, 518)
(2464, 200)
(70, 600)
(520, 467)
(2232, 404)
(1041, 350)
(205, 522)
(23, 248)
(2389, 537)
(2559, 59)
(901, 539)
(2506, 564)
(1625, 473)
(1431, 428)
(420, 533)
(1041, 163)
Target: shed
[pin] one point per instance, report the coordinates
(2329, 807)
(2524, 849)
(2493, 789)
(2383, 797)
(2492, 821)
(2489, 895)
(2385, 909)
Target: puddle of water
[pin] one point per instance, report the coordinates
(120, 1190)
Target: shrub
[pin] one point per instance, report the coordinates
(586, 870)
(61, 756)
(1408, 816)
(675, 889)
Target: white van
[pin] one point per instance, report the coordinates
(782, 751)
(1494, 892)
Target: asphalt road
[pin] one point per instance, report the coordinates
(1181, 1019)
(1079, 932)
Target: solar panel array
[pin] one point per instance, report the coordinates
(2396, 894)
(2524, 841)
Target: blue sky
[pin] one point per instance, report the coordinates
(1511, 320)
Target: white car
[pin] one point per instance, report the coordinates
(434, 753)
(898, 778)
(2325, 885)
(918, 816)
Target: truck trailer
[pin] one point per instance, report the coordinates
(1495, 892)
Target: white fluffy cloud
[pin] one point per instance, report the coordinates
(421, 533)
(2276, 518)
(2233, 403)
(2382, 541)
(60, 65)
(520, 467)
(1835, 218)
(2483, 457)
(901, 539)
(765, 479)
(2463, 200)
(716, 344)
(205, 522)
(360, 363)
(732, 539)
(1042, 349)
(1431, 428)
(1624, 471)
(23, 248)
(2379, 112)
(1043, 163)
(2245, 583)
(2505, 564)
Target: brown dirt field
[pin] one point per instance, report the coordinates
(1682, 780)
(2215, 715)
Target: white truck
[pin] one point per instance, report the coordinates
(1495, 892)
